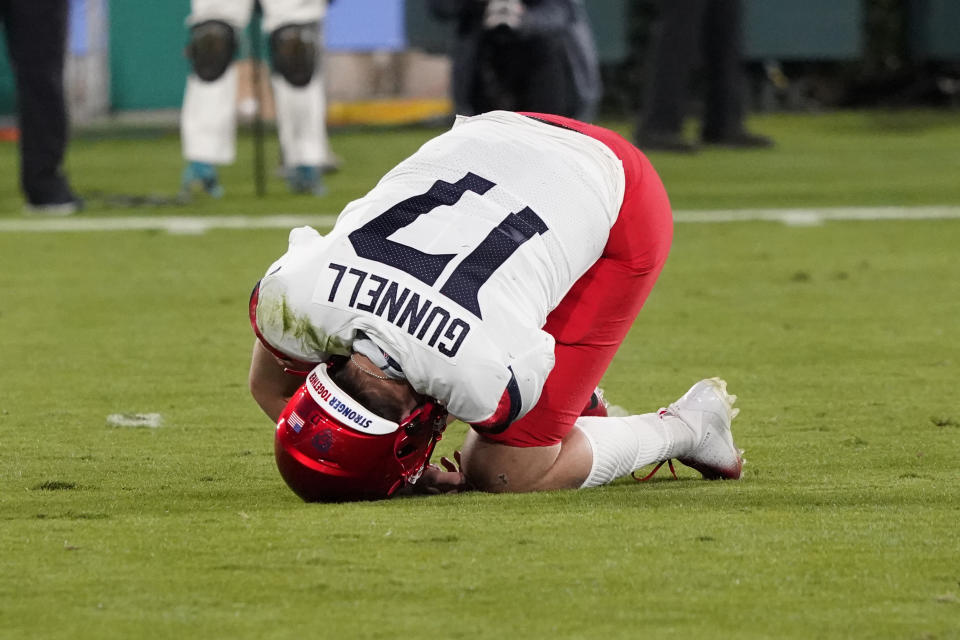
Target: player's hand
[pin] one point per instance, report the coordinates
(443, 478)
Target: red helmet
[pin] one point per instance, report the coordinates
(330, 448)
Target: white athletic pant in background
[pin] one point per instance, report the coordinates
(208, 120)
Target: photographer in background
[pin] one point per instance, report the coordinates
(530, 55)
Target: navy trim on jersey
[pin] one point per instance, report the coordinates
(552, 124)
(496, 423)
(513, 388)
(393, 364)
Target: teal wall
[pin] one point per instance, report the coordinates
(803, 29)
(147, 65)
(7, 95)
(934, 29)
(610, 20)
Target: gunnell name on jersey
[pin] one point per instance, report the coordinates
(418, 310)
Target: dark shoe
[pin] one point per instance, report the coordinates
(65, 206)
(331, 164)
(51, 195)
(742, 140)
(671, 142)
(306, 179)
(202, 174)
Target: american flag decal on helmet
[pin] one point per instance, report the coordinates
(295, 421)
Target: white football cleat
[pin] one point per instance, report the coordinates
(708, 409)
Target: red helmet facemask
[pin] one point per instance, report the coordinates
(330, 448)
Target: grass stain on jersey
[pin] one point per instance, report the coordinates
(286, 316)
(303, 330)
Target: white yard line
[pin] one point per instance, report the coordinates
(818, 216)
(202, 224)
(171, 224)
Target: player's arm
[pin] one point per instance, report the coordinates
(443, 478)
(270, 384)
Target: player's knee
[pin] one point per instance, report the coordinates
(293, 51)
(211, 49)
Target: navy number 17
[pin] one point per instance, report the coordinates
(463, 285)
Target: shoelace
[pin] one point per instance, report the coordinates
(669, 464)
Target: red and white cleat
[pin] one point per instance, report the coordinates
(596, 406)
(708, 409)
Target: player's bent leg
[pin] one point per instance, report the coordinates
(695, 429)
(595, 452)
(499, 468)
(544, 449)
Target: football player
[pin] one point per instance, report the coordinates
(492, 275)
(208, 119)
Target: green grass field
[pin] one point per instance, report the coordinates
(842, 340)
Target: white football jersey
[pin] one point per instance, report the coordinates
(453, 261)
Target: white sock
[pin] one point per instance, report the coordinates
(623, 445)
